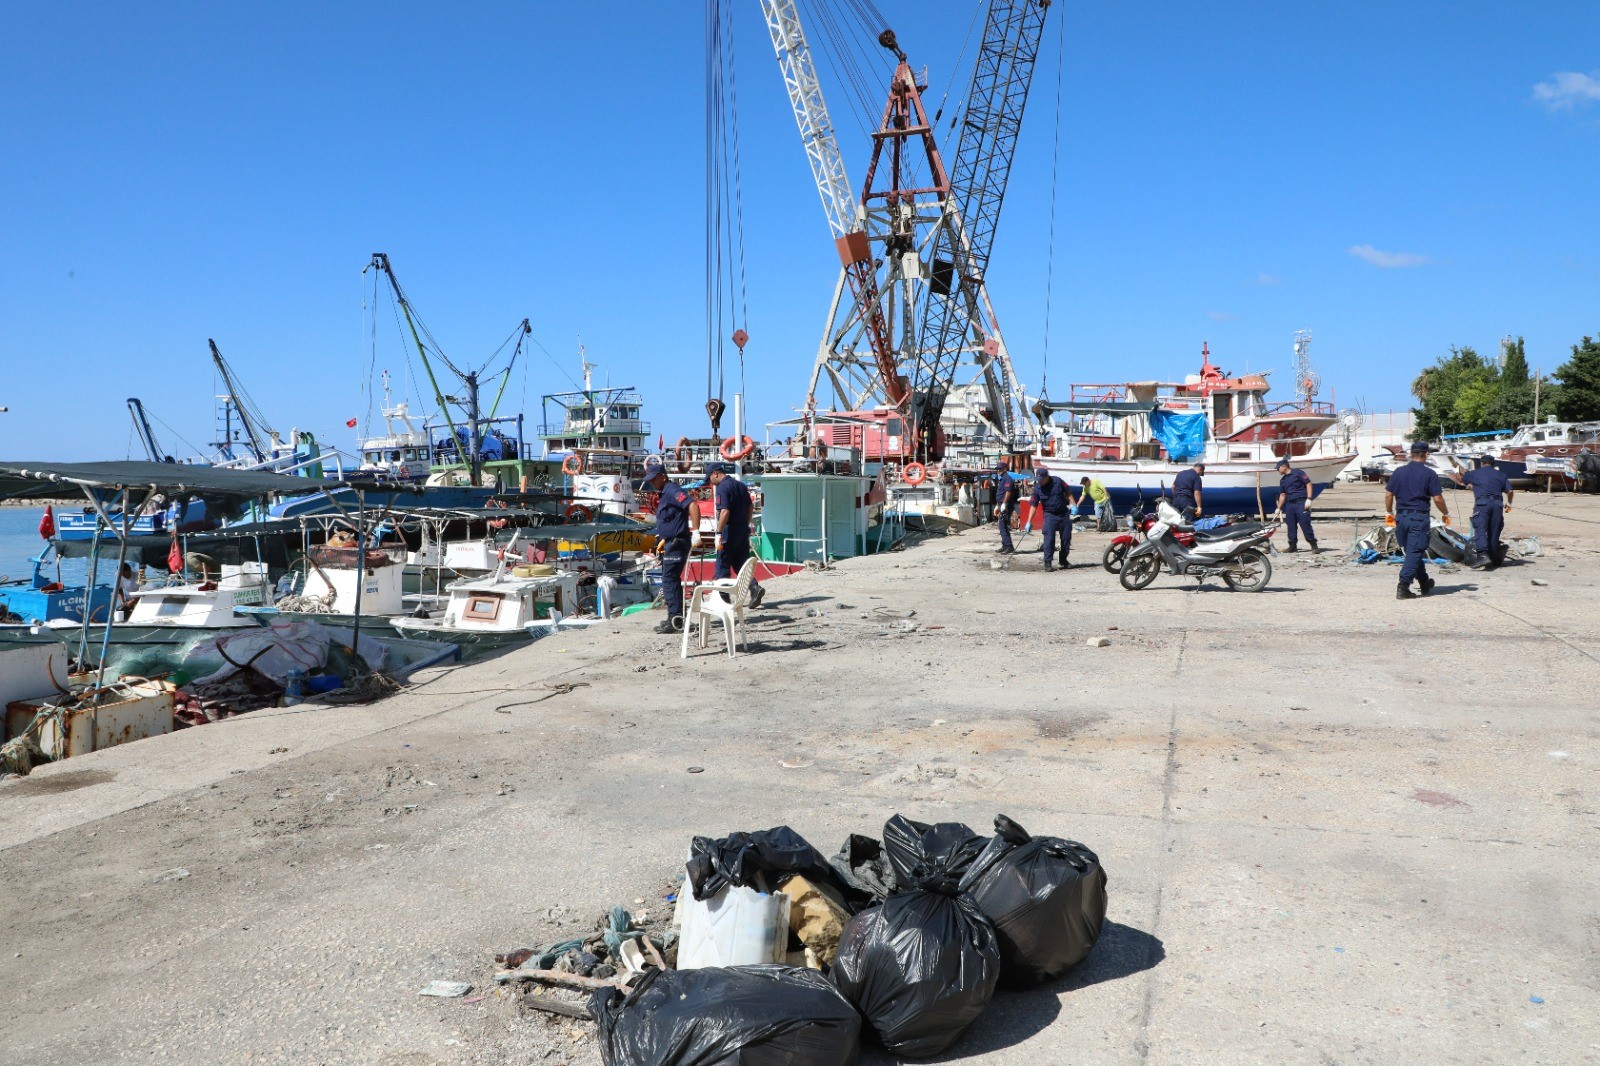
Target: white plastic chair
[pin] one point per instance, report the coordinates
(706, 606)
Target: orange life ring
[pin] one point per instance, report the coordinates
(572, 464)
(915, 473)
(680, 452)
(579, 510)
(735, 455)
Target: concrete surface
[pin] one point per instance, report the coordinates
(1338, 828)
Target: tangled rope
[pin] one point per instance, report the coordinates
(307, 604)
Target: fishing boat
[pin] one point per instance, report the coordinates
(1136, 437)
(600, 437)
(510, 606)
(42, 598)
(402, 451)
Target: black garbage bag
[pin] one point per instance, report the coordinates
(1046, 897)
(728, 1016)
(919, 851)
(922, 965)
(762, 860)
(865, 870)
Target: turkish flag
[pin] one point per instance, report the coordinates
(174, 557)
(47, 524)
(351, 423)
(661, 443)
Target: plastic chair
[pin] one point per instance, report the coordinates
(707, 605)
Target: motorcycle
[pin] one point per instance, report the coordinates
(1138, 528)
(1235, 553)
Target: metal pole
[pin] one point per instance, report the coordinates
(111, 612)
(361, 574)
(474, 462)
(88, 590)
(824, 480)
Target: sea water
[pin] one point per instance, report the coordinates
(20, 542)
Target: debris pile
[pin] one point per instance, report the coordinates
(782, 955)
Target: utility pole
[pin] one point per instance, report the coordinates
(1537, 374)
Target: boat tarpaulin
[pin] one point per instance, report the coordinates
(21, 480)
(1182, 433)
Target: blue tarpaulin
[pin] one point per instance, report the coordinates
(1182, 433)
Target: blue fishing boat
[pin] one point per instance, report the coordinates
(43, 599)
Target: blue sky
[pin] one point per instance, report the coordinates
(1397, 178)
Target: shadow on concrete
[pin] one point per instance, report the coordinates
(1121, 951)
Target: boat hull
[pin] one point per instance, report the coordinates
(1229, 487)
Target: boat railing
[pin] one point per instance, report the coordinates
(1321, 408)
(610, 427)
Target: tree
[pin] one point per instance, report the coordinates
(1515, 372)
(1440, 386)
(1579, 398)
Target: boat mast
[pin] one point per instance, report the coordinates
(238, 401)
(380, 262)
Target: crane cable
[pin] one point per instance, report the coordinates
(726, 283)
(1055, 168)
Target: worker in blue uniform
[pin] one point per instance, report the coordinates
(734, 508)
(1005, 505)
(1186, 494)
(1491, 502)
(1411, 486)
(1294, 501)
(677, 534)
(1053, 498)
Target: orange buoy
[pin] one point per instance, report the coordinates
(915, 473)
(572, 464)
(732, 449)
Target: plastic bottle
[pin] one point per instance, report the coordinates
(293, 692)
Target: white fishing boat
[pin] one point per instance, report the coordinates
(1136, 437)
(401, 452)
(507, 607)
(207, 604)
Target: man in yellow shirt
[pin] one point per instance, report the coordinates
(1104, 518)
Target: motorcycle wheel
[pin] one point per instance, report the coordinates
(1139, 571)
(1260, 568)
(1113, 557)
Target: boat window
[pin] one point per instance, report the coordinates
(394, 457)
(483, 608)
(1539, 435)
(895, 427)
(166, 608)
(1222, 406)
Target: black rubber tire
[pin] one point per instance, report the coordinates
(1263, 567)
(1114, 555)
(1139, 571)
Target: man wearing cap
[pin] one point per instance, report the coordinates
(1005, 505)
(1186, 491)
(1294, 500)
(733, 525)
(1491, 502)
(677, 534)
(1411, 486)
(1052, 497)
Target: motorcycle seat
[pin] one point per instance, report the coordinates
(1235, 530)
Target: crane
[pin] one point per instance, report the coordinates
(147, 436)
(953, 316)
(874, 350)
(847, 219)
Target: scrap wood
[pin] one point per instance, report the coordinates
(555, 977)
(551, 1005)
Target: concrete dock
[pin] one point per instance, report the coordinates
(1338, 828)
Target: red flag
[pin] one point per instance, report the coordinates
(351, 423)
(47, 524)
(174, 557)
(661, 443)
